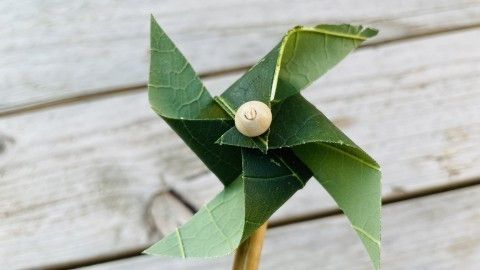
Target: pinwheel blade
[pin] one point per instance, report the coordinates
(270, 180)
(297, 122)
(354, 184)
(179, 97)
(215, 230)
(350, 176)
(233, 137)
(233, 215)
(307, 53)
(255, 84)
(303, 55)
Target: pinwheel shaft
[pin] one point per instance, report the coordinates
(248, 253)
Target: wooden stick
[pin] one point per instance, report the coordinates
(248, 253)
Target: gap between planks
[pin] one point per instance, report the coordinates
(103, 93)
(387, 200)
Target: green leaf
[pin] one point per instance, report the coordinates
(215, 230)
(303, 55)
(354, 183)
(298, 121)
(255, 84)
(257, 184)
(234, 138)
(233, 215)
(349, 174)
(306, 53)
(175, 91)
(270, 180)
(179, 97)
(225, 161)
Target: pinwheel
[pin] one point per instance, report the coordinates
(264, 140)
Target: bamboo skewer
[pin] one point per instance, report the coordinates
(248, 253)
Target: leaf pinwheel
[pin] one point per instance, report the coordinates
(261, 173)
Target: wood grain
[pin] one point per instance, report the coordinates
(81, 227)
(71, 187)
(438, 232)
(76, 180)
(52, 49)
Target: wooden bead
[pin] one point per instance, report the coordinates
(253, 118)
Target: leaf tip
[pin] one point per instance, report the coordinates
(147, 251)
(219, 140)
(370, 32)
(152, 20)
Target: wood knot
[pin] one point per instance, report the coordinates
(5, 141)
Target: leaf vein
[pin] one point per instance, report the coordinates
(212, 218)
(180, 242)
(363, 232)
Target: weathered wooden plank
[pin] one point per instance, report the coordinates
(71, 188)
(435, 232)
(52, 50)
(78, 227)
(71, 170)
(86, 224)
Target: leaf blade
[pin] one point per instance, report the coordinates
(236, 212)
(303, 55)
(208, 233)
(233, 137)
(175, 91)
(179, 97)
(297, 122)
(355, 186)
(223, 160)
(255, 84)
(326, 44)
(342, 167)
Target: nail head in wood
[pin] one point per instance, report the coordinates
(253, 118)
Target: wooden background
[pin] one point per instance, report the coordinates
(90, 176)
